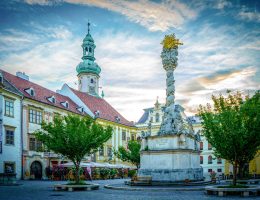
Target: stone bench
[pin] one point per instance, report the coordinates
(141, 180)
(245, 192)
(72, 188)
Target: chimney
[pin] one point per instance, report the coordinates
(22, 75)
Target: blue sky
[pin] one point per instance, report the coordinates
(221, 46)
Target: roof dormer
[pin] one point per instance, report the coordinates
(80, 109)
(97, 113)
(30, 91)
(65, 104)
(117, 118)
(52, 99)
(1, 78)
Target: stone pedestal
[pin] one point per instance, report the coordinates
(173, 154)
(170, 158)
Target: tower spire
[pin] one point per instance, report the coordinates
(88, 26)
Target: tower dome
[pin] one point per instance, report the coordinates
(88, 66)
(88, 70)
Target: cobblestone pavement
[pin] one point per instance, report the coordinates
(43, 190)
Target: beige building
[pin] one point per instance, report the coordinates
(32, 103)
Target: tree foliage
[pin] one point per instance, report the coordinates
(132, 154)
(73, 137)
(232, 127)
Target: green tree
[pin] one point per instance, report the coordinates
(73, 137)
(232, 127)
(132, 154)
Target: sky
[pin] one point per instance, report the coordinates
(221, 47)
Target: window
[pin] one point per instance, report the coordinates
(9, 108)
(109, 153)
(34, 145)
(201, 159)
(157, 117)
(92, 90)
(151, 120)
(101, 151)
(32, 92)
(210, 160)
(124, 135)
(201, 145)
(9, 167)
(132, 137)
(86, 49)
(1, 78)
(219, 170)
(219, 161)
(9, 137)
(35, 116)
(209, 170)
(90, 49)
(91, 80)
(209, 146)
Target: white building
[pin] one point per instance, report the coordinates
(10, 128)
(208, 161)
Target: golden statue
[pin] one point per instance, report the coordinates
(170, 42)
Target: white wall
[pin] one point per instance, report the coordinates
(11, 153)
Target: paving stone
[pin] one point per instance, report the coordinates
(42, 190)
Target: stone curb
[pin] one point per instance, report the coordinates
(152, 189)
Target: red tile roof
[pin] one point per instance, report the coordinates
(107, 112)
(41, 93)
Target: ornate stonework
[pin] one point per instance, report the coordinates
(174, 119)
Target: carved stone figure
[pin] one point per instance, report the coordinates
(174, 119)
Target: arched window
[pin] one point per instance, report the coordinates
(201, 145)
(219, 161)
(92, 80)
(86, 49)
(210, 160)
(209, 146)
(157, 117)
(201, 160)
(90, 49)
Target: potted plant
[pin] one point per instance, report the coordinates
(132, 174)
(104, 173)
(112, 173)
(213, 176)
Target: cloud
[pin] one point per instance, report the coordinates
(247, 15)
(154, 16)
(220, 4)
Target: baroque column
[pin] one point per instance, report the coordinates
(173, 120)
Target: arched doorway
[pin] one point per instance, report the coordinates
(36, 170)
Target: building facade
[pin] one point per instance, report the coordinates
(28, 104)
(150, 121)
(208, 161)
(10, 128)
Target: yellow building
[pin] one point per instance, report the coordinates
(254, 166)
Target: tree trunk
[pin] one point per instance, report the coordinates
(235, 173)
(77, 173)
(240, 170)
